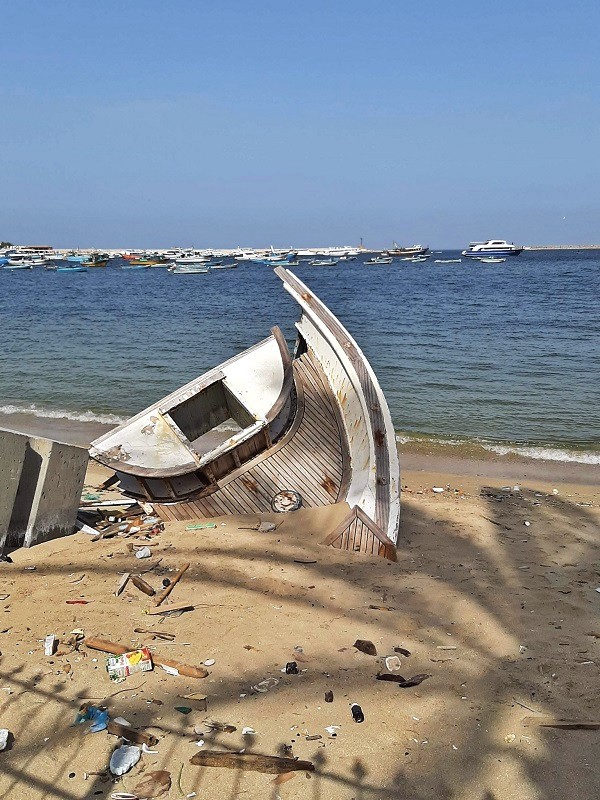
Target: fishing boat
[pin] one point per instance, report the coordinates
(80, 268)
(493, 247)
(397, 251)
(270, 431)
(492, 260)
(380, 260)
(448, 261)
(233, 265)
(13, 265)
(323, 262)
(189, 269)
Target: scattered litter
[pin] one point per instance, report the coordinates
(402, 650)
(250, 761)
(291, 668)
(153, 784)
(357, 712)
(332, 729)
(437, 489)
(382, 608)
(4, 597)
(143, 552)
(313, 737)
(365, 646)
(446, 647)
(183, 709)
(393, 663)
(509, 739)
(199, 743)
(522, 648)
(78, 602)
(121, 667)
(329, 697)
(305, 561)
(222, 727)
(264, 686)
(248, 731)
(403, 683)
(4, 734)
(286, 501)
(97, 715)
(209, 662)
(201, 526)
(122, 721)
(124, 758)
(554, 491)
(527, 524)
(50, 643)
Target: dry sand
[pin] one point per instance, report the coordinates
(518, 605)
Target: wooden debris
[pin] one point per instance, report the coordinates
(169, 609)
(131, 734)
(166, 592)
(564, 724)
(403, 683)
(382, 608)
(365, 646)
(95, 643)
(141, 584)
(250, 761)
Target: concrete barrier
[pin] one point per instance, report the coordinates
(49, 479)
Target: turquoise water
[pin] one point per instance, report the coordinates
(505, 353)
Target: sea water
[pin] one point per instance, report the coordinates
(505, 355)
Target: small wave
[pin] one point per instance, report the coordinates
(75, 416)
(544, 453)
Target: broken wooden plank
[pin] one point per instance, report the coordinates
(557, 722)
(167, 591)
(250, 761)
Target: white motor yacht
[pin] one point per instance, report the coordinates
(492, 247)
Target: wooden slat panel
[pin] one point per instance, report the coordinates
(298, 482)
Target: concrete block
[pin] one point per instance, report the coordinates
(12, 455)
(49, 491)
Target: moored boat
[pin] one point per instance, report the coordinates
(380, 260)
(397, 251)
(492, 247)
(323, 262)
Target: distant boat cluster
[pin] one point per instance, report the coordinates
(181, 261)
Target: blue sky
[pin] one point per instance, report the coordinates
(295, 123)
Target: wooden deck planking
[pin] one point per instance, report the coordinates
(308, 459)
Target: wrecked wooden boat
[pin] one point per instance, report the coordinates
(270, 431)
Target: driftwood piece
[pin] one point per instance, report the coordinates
(403, 683)
(131, 734)
(141, 584)
(365, 646)
(557, 722)
(169, 609)
(95, 643)
(250, 761)
(166, 592)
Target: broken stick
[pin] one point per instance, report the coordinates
(565, 724)
(250, 761)
(166, 592)
(95, 643)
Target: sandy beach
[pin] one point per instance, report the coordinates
(501, 615)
